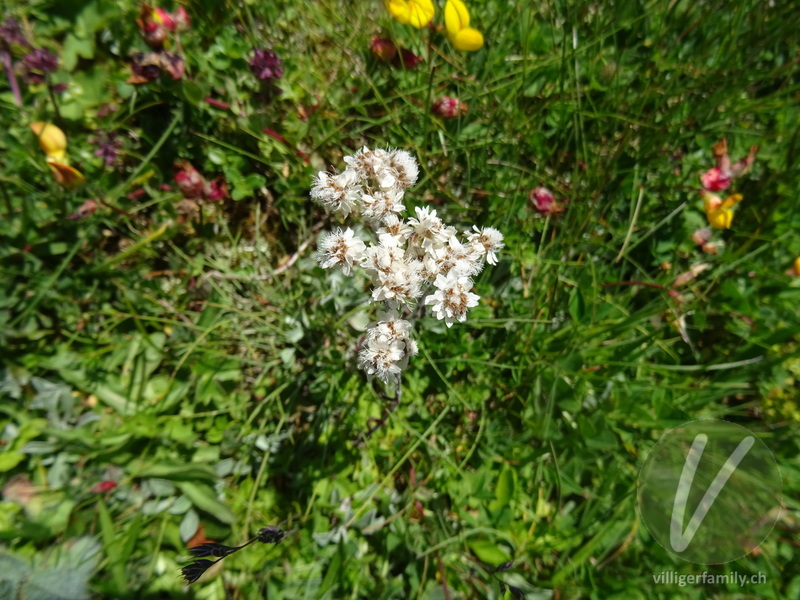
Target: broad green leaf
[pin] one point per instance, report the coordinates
(204, 498)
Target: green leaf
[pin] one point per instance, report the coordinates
(245, 187)
(488, 552)
(180, 472)
(333, 572)
(76, 47)
(204, 498)
(577, 305)
(109, 534)
(61, 584)
(194, 92)
(9, 460)
(504, 490)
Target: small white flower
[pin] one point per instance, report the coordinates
(464, 260)
(399, 285)
(429, 232)
(338, 193)
(429, 268)
(381, 203)
(394, 232)
(379, 259)
(372, 165)
(340, 248)
(488, 241)
(381, 357)
(390, 327)
(453, 298)
(405, 167)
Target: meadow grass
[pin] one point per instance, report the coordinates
(207, 365)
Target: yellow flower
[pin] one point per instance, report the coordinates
(417, 13)
(64, 174)
(54, 143)
(719, 213)
(456, 20)
(796, 266)
(51, 138)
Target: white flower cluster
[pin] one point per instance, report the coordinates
(409, 256)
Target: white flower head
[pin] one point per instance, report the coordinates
(341, 248)
(381, 357)
(429, 268)
(379, 259)
(381, 203)
(405, 167)
(394, 232)
(372, 166)
(390, 327)
(428, 231)
(487, 241)
(452, 298)
(399, 285)
(459, 258)
(339, 193)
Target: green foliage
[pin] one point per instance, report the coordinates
(168, 365)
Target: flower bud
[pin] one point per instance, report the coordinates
(408, 60)
(266, 65)
(383, 49)
(449, 108)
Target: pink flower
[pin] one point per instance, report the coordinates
(194, 186)
(702, 236)
(181, 19)
(449, 108)
(716, 179)
(189, 180)
(86, 209)
(162, 17)
(216, 189)
(719, 178)
(544, 201)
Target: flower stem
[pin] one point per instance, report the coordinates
(5, 58)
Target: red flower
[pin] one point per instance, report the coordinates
(408, 59)
(189, 180)
(383, 49)
(104, 486)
